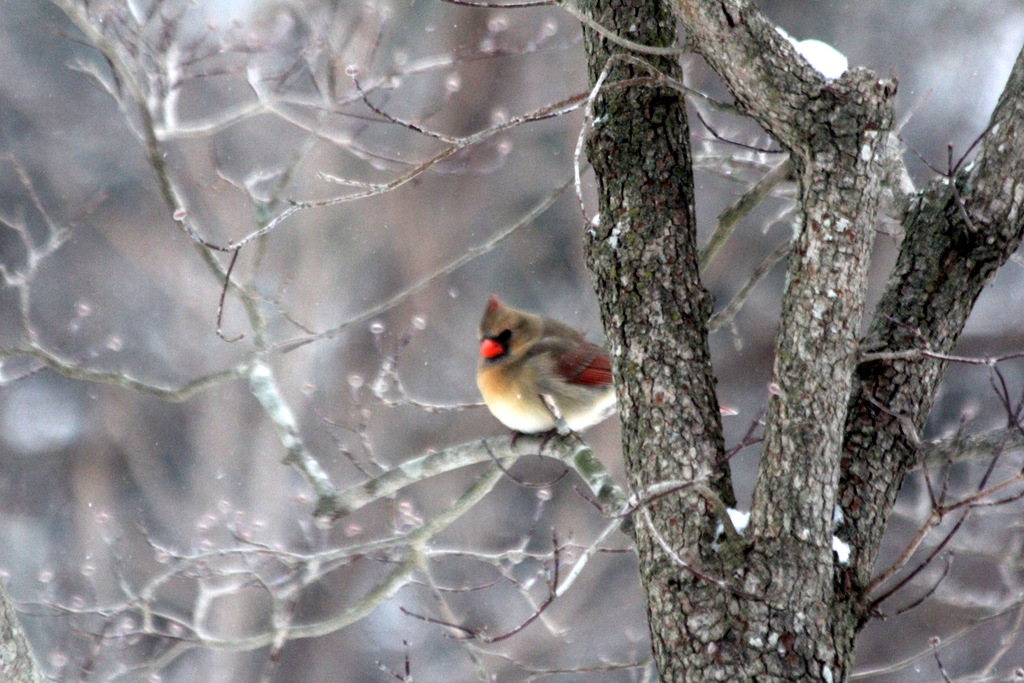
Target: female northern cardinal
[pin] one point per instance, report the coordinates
(537, 374)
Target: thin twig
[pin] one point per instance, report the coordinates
(741, 208)
(465, 257)
(726, 315)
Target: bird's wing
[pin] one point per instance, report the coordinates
(586, 363)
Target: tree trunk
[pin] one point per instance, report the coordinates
(776, 604)
(644, 258)
(952, 247)
(17, 665)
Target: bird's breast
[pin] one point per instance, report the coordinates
(514, 400)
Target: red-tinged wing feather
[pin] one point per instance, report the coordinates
(586, 364)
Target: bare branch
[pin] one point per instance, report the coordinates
(74, 370)
(727, 314)
(466, 256)
(741, 208)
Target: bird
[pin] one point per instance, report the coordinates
(538, 375)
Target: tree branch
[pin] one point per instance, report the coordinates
(953, 245)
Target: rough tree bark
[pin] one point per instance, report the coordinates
(17, 664)
(782, 608)
(951, 249)
(644, 257)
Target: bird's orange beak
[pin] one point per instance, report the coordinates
(491, 349)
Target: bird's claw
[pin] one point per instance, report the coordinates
(544, 437)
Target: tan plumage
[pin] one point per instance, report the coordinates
(534, 371)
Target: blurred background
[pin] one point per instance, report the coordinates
(110, 495)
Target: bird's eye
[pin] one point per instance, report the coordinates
(503, 337)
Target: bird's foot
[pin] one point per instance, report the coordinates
(544, 437)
